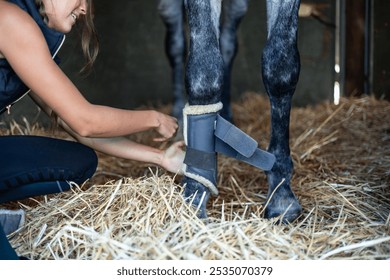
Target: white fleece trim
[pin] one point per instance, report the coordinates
(208, 184)
(202, 109)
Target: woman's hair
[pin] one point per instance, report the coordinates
(89, 39)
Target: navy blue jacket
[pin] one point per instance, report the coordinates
(11, 87)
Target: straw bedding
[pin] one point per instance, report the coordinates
(135, 211)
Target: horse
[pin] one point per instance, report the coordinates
(206, 115)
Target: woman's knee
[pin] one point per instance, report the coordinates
(30, 159)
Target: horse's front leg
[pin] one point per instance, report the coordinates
(234, 11)
(280, 69)
(204, 78)
(171, 12)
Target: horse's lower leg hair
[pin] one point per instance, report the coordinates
(280, 69)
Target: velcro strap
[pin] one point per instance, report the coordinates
(234, 137)
(200, 159)
(260, 159)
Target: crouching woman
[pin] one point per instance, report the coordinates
(31, 33)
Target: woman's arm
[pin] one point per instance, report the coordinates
(170, 159)
(25, 48)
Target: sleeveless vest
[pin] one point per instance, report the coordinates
(11, 87)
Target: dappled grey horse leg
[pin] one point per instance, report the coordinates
(204, 78)
(234, 11)
(280, 70)
(172, 14)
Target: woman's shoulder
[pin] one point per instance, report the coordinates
(12, 15)
(17, 28)
(9, 9)
(15, 22)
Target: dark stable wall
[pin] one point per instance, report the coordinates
(380, 49)
(132, 69)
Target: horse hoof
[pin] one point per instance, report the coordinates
(196, 195)
(285, 216)
(287, 212)
(283, 205)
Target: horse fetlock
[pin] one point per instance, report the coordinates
(281, 200)
(197, 195)
(282, 203)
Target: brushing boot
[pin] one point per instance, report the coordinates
(200, 168)
(6, 252)
(11, 220)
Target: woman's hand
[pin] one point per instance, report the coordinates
(173, 158)
(167, 127)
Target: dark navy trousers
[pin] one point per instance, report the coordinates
(35, 165)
